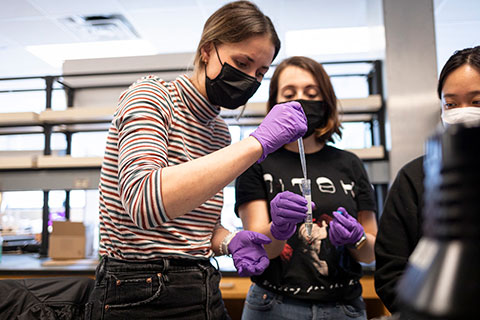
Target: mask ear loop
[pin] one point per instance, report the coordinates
(218, 56)
(237, 118)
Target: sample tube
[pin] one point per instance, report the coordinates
(307, 193)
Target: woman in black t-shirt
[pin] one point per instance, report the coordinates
(318, 275)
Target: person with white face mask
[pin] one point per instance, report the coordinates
(459, 90)
(400, 225)
(467, 116)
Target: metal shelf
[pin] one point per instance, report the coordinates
(49, 172)
(69, 178)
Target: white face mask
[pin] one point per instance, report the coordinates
(467, 115)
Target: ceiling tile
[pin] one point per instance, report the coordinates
(18, 9)
(81, 7)
(155, 4)
(163, 30)
(33, 32)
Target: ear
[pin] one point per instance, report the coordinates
(206, 51)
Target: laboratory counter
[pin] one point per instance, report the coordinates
(234, 289)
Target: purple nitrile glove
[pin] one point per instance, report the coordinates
(344, 229)
(287, 209)
(249, 255)
(285, 123)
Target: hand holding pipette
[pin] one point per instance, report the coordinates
(283, 124)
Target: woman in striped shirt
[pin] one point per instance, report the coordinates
(167, 158)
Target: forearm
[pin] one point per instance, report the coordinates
(188, 185)
(254, 215)
(366, 253)
(275, 248)
(218, 235)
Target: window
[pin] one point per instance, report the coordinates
(89, 144)
(456, 27)
(20, 217)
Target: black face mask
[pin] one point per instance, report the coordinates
(315, 110)
(231, 88)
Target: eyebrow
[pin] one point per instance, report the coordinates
(251, 60)
(292, 86)
(451, 95)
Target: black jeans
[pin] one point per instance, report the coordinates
(160, 289)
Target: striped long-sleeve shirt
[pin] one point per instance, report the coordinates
(157, 124)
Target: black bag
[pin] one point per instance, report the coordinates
(44, 298)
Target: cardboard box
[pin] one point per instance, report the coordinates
(67, 240)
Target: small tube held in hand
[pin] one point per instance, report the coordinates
(307, 193)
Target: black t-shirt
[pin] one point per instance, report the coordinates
(314, 270)
(399, 230)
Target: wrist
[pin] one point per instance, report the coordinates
(259, 145)
(360, 243)
(282, 233)
(256, 145)
(223, 248)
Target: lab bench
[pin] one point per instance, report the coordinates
(234, 289)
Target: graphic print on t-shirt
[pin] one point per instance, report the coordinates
(325, 185)
(267, 177)
(348, 187)
(312, 246)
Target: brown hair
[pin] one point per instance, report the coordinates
(235, 22)
(470, 56)
(322, 79)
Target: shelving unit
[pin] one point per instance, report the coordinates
(52, 172)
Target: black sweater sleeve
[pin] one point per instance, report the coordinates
(399, 230)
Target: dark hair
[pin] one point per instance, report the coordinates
(470, 56)
(234, 22)
(322, 79)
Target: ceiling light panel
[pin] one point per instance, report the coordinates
(100, 27)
